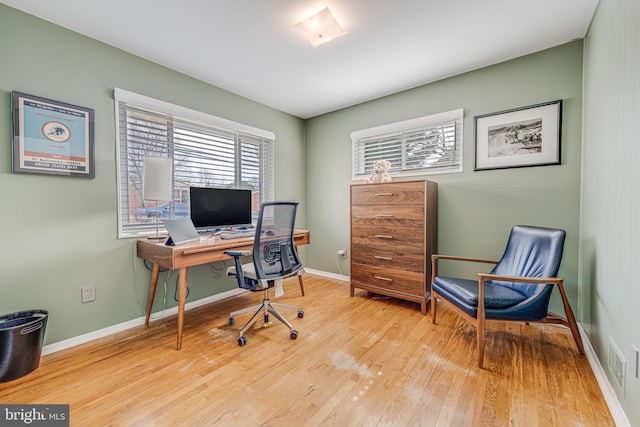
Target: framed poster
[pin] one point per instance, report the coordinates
(51, 137)
(527, 136)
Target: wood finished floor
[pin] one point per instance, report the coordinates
(361, 361)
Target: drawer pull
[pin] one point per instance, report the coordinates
(384, 194)
(383, 216)
(382, 236)
(386, 258)
(382, 278)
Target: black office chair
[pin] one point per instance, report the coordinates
(518, 288)
(274, 258)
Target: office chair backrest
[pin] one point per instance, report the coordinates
(274, 254)
(531, 252)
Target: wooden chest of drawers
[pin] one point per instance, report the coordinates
(393, 234)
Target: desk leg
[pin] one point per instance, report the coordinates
(152, 292)
(182, 299)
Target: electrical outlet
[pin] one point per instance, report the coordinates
(342, 253)
(617, 365)
(88, 293)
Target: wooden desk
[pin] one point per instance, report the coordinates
(190, 254)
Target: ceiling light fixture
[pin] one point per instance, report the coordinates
(320, 28)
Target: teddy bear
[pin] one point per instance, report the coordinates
(380, 168)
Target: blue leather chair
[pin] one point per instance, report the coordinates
(518, 288)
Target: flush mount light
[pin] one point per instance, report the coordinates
(320, 28)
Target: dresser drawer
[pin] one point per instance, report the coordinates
(395, 258)
(393, 215)
(403, 282)
(405, 237)
(392, 193)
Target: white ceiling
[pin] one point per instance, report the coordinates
(250, 48)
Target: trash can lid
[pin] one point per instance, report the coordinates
(21, 318)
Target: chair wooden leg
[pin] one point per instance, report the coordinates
(434, 267)
(433, 308)
(480, 316)
(480, 342)
(571, 320)
(295, 247)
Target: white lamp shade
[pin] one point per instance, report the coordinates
(156, 184)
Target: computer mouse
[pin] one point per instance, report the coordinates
(270, 233)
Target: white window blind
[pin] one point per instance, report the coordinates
(207, 151)
(425, 145)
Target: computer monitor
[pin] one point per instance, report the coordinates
(213, 208)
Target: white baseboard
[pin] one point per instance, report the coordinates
(101, 333)
(617, 412)
(329, 275)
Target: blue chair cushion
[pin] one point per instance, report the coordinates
(466, 292)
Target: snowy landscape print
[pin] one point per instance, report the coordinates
(523, 137)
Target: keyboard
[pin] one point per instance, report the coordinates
(237, 235)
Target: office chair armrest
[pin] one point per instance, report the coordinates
(236, 258)
(435, 257)
(236, 254)
(520, 279)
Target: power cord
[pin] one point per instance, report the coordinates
(217, 268)
(149, 267)
(338, 265)
(175, 294)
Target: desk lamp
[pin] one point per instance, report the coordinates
(156, 184)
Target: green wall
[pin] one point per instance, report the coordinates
(62, 231)
(610, 225)
(59, 233)
(476, 209)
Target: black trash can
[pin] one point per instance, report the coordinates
(21, 338)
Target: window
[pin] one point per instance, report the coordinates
(207, 151)
(426, 145)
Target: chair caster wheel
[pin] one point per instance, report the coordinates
(231, 321)
(266, 318)
(294, 334)
(242, 341)
(300, 314)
